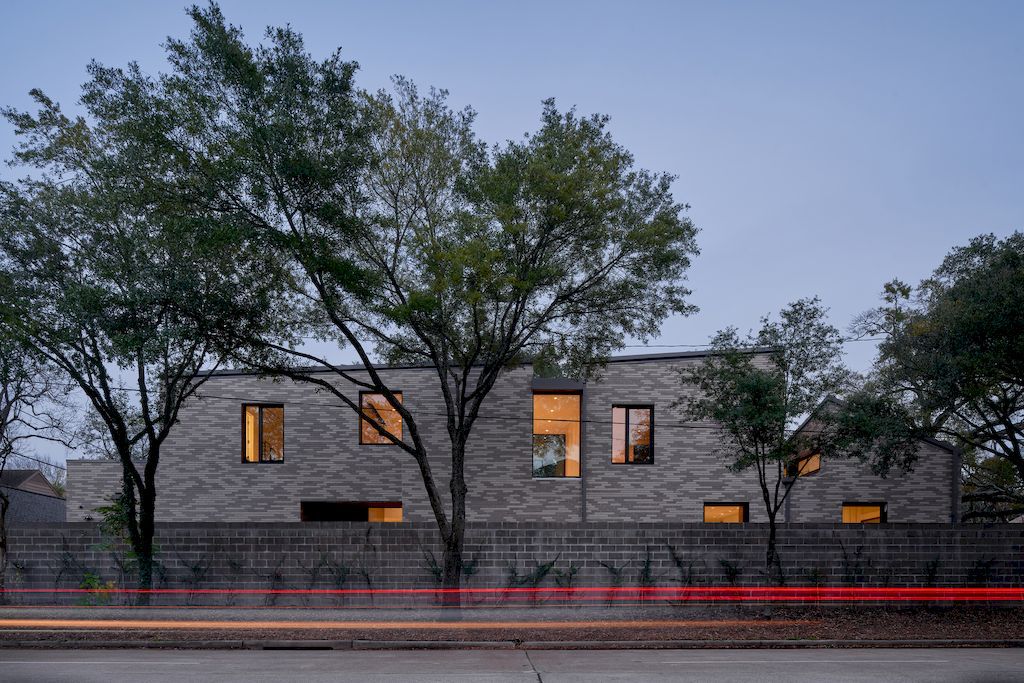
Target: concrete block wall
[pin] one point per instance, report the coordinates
(360, 555)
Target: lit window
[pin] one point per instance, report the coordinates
(384, 514)
(354, 511)
(633, 434)
(809, 464)
(377, 411)
(730, 513)
(556, 435)
(863, 513)
(262, 433)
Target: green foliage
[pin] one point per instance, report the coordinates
(759, 387)
(953, 356)
(99, 591)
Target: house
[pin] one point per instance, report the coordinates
(544, 450)
(31, 496)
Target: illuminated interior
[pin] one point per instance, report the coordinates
(729, 513)
(263, 433)
(252, 433)
(556, 435)
(809, 465)
(388, 514)
(863, 513)
(632, 435)
(376, 409)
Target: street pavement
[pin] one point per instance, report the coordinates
(970, 665)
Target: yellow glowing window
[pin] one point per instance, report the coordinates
(378, 411)
(729, 513)
(262, 433)
(633, 434)
(556, 435)
(863, 513)
(810, 464)
(388, 514)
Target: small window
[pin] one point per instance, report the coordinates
(729, 513)
(864, 513)
(807, 465)
(556, 436)
(377, 411)
(262, 432)
(633, 435)
(354, 511)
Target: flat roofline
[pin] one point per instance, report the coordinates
(632, 358)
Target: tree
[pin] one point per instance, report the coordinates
(32, 403)
(953, 352)
(759, 388)
(96, 262)
(393, 231)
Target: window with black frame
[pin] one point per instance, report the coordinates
(262, 432)
(633, 434)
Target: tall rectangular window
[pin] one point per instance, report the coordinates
(376, 410)
(729, 513)
(633, 435)
(556, 435)
(262, 432)
(864, 513)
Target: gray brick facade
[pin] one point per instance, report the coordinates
(202, 477)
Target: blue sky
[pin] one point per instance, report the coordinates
(824, 147)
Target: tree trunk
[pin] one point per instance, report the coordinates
(144, 551)
(451, 579)
(773, 561)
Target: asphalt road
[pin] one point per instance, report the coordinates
(544, 666)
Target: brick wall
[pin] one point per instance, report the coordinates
(201, 476)
(302, 556)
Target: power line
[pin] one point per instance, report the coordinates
(45, 462)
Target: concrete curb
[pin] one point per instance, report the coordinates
(498, 644)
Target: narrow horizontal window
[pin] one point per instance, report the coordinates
(350, 511)
(633, 435)
(864, 513)
(378, 412)
(807, 465)
(556, 435)
(262, 432)
(729, 513)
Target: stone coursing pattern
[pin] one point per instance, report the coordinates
(317, 555)
(201, 476)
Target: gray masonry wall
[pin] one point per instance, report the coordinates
(360, 555)
(202, 478)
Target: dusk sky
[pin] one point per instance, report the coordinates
(825, 148)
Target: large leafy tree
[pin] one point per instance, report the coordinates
(759, 388)
(397, 234)
(96, 262)
(953, 354)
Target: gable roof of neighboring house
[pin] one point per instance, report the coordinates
(31, 481)
(832, 400)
